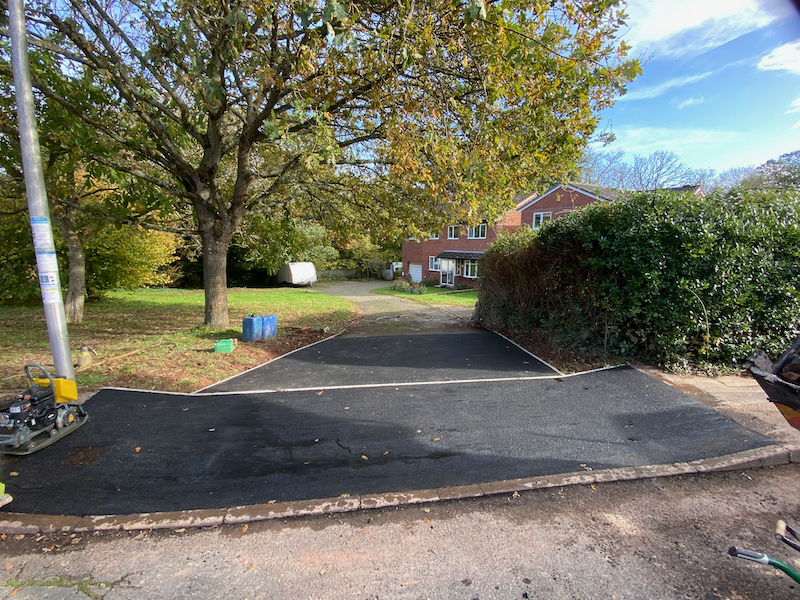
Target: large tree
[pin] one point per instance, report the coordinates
(361, 114)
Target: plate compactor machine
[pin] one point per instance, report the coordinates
(40, 415)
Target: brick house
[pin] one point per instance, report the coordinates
(450, 257)
(560, 200)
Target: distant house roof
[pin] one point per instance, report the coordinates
(524, 199)
(597, 191)
(602, 192)
(467, 254)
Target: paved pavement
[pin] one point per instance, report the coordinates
(438, 427)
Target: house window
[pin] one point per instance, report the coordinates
(433, 236)
(540, 218)
(452, 232)
(478, 232)
(471, 269)
(434, 264)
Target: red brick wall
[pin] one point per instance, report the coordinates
(558, 202)
(418, 252)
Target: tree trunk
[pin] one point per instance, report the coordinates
(76, 287)
(216, 229)
(217, 222)
(215, 279)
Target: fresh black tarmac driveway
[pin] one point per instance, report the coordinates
(439, 353)
(148, 452)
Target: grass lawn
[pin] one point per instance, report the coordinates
(171, 351)
(436, 296)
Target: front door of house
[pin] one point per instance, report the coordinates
(448, 272)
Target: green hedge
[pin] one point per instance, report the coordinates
(668, 277)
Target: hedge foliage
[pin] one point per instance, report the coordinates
(668, 277)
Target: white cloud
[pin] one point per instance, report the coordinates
(690, 102)
(654, 91)
(783, 58)
(646, 140)
(674, 28)
(795, 107)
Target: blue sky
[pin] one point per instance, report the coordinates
(720, 84)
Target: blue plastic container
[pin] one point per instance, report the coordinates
(269, 326)
(252, 329)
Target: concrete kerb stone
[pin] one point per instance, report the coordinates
(398, 499)
(300, 508)
(17, 523)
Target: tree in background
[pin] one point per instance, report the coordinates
(266, 242)
(363, 115)
(782, 173)
(83, 195)
(114, 256)
(659, 170)
(664, 169)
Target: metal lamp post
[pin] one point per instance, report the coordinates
(38, 208)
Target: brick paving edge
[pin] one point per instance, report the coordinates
(20, 523)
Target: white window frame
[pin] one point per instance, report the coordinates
(433, 236)
(541, 218)
(478, 232)
(434, 263)
(452, 232)
(471, 268)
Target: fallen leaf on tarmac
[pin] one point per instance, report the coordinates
(138, 448)
(385, 453)
(2, 536)
(21, 536)
(7, 566)
(323, 571)
(180, 530)
(308, 462)
(245, 528)
(436, 439)
(320, 393)
(585, 467)
(14, 473)
(426, 520)
(344, 495)
(592, 486)
(250, 566)
(515, 495)
(212, 429)
(347, 408)
(364, 456)
(14, 592)
(419, 430)
(271, 502)
(427, 510)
